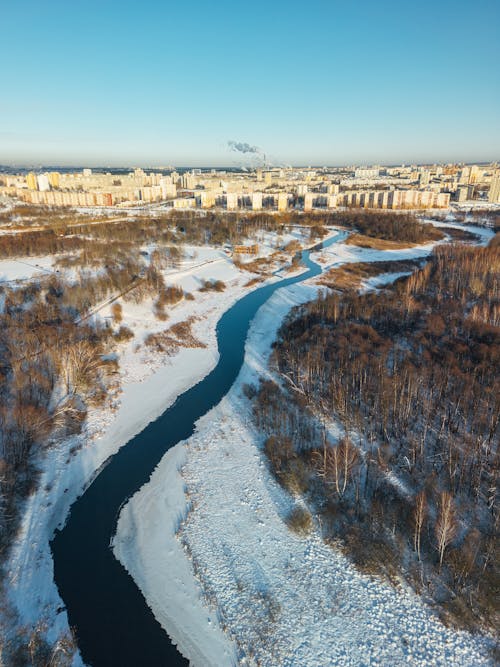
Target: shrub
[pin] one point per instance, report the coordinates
(300, 521)
(117, 312)
(123, 334)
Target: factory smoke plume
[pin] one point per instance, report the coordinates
(243, 147)
(255, 154)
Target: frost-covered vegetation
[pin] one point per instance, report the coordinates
(408, 489)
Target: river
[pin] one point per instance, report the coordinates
(113, 623)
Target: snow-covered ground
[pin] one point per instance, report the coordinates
(24, 268)
(149, 384)
(484, 233)
(280, 599)
(263, 595)
(382, 279)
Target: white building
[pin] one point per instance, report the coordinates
(43, 182)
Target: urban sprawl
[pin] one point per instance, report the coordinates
(281, 189)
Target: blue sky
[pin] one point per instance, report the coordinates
(318, 82)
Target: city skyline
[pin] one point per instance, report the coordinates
(157, 84)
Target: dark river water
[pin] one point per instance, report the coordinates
(113, 624)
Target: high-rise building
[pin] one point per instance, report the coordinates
(54, 179)
(494, 194)
(43, 182)
(257, 201)
(206, 199)
(363, 172)
(188, 181)
(232, 201)
(31, 181)
(424, 178)
(282, 201)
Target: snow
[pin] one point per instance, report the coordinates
(278, 598)
(343, 253)
(239, 519)
(198, 634)
(484, 233)
(383, 279)
(149, 384)
(24, 268)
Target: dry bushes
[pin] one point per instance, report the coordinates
(253, 281)
(168, 296)
(377, 244)
(123, 334)
(262, 265)
(300, 520)
(212, 286)
(350, 276)
(178, 335)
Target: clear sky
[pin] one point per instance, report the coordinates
(158, 82)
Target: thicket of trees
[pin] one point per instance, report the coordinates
(40, 347)
(411, 374)
(95, 241)
(388, 226)
(173, 229)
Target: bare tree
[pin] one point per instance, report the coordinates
(419, 515)
(446, 525)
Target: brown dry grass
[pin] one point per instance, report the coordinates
(363, 241)
(253, 281)
(262, 265)
(350, 276)
(300, 521)
(176, 336)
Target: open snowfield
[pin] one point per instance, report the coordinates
(262, 594)
(24, 268)
(149, 384)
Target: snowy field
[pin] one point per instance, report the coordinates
(25, 268)
(485, 233)
(343, 253)
(150, 382)
(262, 595)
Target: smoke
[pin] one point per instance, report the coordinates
(243, 147)
(255, 155)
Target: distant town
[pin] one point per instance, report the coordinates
(280, 189)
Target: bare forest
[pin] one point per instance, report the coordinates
(408, 485)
